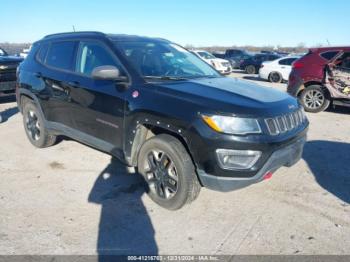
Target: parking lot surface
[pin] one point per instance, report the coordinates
(72, 199)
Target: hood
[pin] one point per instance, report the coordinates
(10, 59)
(231, 96)
(220, 60)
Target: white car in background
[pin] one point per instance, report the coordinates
(221, 65)
(277, 70)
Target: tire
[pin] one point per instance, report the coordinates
(314, 99)
(168, 171)
(34, 126)
(250, 69)
(275, 77)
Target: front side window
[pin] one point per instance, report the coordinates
(153, 59)
(61, 54)
(343, 61)
(91, 55)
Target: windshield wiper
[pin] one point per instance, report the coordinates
(203, 76)
(165, 78)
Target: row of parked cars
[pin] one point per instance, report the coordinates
(318, 78)
(271, 66)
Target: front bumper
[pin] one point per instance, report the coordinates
(285, 156)
(7, 86)
(225, 71)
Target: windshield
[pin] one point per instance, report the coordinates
(164, 60)
(206, 55)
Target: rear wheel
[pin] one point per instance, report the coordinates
(169, 172)
(250, 69)
(34, 126)
(275, 77)
(314, 99)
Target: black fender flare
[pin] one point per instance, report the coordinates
(135, 134)
(26, 93)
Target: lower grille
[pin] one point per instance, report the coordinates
(285, 123)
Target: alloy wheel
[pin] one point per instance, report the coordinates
(161, 174)
(33, 125)
(275, 78)
(314, 99)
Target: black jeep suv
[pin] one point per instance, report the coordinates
(156, 106)
(8, 66)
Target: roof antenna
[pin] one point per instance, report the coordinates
(328, 42)
(73, 28)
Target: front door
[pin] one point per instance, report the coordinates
(98, 105)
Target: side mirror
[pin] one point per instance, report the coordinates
(108, 73)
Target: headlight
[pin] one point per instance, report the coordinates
(232, 125)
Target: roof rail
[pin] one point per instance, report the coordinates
(74, 33)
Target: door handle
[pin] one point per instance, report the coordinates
(73, 83)
(38, 75)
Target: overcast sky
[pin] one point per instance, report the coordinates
(196, 22)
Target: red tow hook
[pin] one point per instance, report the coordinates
(268, 175)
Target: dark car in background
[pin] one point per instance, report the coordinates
(252, 64)
(235, 56)
(8, 67)
(321, 77)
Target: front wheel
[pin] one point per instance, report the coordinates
(169, 172)
(314, 99)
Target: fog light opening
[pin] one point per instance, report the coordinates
(237, 159)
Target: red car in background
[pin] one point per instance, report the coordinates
(321, 77)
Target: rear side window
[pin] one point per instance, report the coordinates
(42, 52)
(61, 55)
(329, 55)
(287, 61)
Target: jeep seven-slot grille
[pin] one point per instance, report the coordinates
(285, 123)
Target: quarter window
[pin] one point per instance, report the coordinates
(329, 55)
(61, 55)
(92, 55)
(43, 52)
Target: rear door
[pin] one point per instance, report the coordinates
(97, 105)
(57, 59)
